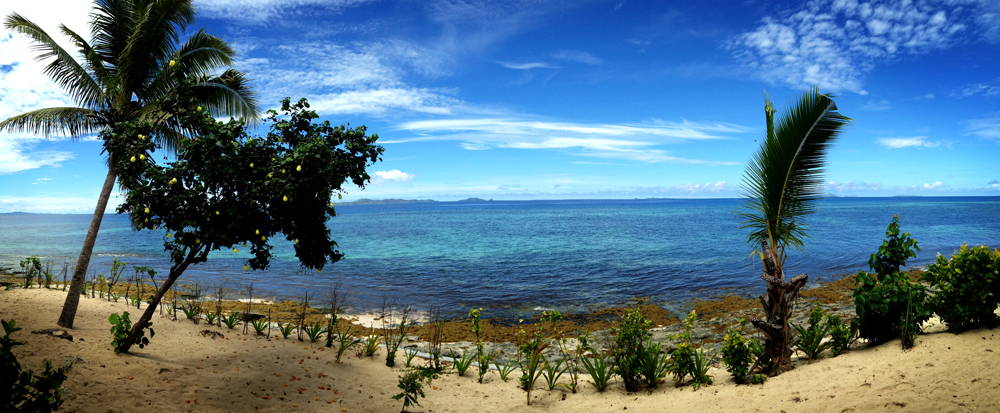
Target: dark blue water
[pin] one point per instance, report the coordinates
(571, 255)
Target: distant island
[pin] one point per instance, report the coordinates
(473, 200)
(366, 201)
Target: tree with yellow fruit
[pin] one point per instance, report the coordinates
(210, 198)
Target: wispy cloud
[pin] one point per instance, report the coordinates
(985, 128)
(636, 142)
(834, 44)
(260, 11)
(908, 142)
(878, 106)
(578, 56)
(979, 89)
(527, 66)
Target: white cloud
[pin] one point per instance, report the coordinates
(526, 66)
(834, 44)
(394, 175)
(906, 142)
(980, 89)
(851, 186)
(578, 56)
(874, 106)
(54, 204)
(985, 128)
(935, 185)
(474, 146)
(993, 185)
(260, 11)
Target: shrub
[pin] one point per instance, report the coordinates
(120, 327)
(462, 363)
(210, 317)
(887, 300)
(628, 339)
(26, 391)
(482, 358)
(505, 369)
(654, 364)
(231, 321)
(600, 371)
(411, 387)
(702, 359)
(346, 342)
(809, 340)
(370, 345)
(739, 356)
(314, 331)
(969, 287)
(259, 325)
(841, 336)
(410, 354)
(286, 329)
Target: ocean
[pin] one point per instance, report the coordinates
(513, 256)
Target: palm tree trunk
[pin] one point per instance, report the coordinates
(777, 312)
(80, 273)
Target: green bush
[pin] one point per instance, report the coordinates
(23, 391)
(655, 364)
(969, 287)
(739, 356)
(600, 371)
(809, 340)
(628, 339)
(888, 303)
(411, 387)
(842, 336)
(120, 327)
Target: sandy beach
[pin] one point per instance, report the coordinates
(185, 370)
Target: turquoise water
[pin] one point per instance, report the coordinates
(514, 255)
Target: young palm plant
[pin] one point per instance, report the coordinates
(126, 67)
(782, 182)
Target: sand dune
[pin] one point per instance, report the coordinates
(182, 370)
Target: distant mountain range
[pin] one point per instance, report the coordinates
(366, 201)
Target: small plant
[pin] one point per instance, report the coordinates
(26, 391)
(533, 371)
(231, 321)
(210, 317)
(190, 310)
(410, 385)
(628, 339)
(31, 265)
(551, 372)
(653, 364)
(259, 325)
(600, 371)
(346, 342)
(116, 295)
(682, 358)
(809, 340)
(505, 369)
(760, 352)
(120, 327)
(394, 333)
(370, 345)
(410, 354)
(968, 287)
(738, 355)
(315, 331)
(702, 360)
(287, 328)
(463, 363)
(841, 336)
(482, 358)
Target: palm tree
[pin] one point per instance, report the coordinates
(782, 183)
(124, 69)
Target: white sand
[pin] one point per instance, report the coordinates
(182, 371)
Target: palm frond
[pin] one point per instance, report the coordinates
(63, 69)
(71, 121)
(152, 38)
(783, 179)
(111, 22)
(229, 94)
(95, 65)
(202, 53)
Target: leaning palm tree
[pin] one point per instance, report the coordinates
(782, 183)
(123, 70)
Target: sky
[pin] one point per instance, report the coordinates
(581, 99)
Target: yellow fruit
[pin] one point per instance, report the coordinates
(168, 235)
(319, 270)
(296, 240)
(197, 241)
(142, 157)
(133, 159)
(172, 63)
(216, 212)
(340, 196)
(236, 251)
(199, 108)
(147, 210)
(263, 238)
(258, 232)
(282, 171)
(285, 199)
(298, 168)
(245, 268)
(147, 220)
(270, 174)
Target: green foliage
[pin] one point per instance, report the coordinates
(628, 339)
(120, 327)
(190, 310)
(482, 358)
(463, 363)
(31, 266)
(314, 331)
(287, 328)
(369, 346)
(968, 287)
(809, 340)
(701, 362)
(532, 370)
(653, 363)
(738, 355)
(24, 391)
(551, 372)
(841, 336)
(410, 354)
(887, 303)
(784, 178)
(600, 371)
(410, 385)
(259, 325)
(231, 321)
(346, 342)
(210, 317)
(682, 358)
(506, 368)
(760, 352)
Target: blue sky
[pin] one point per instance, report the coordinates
(579, 99)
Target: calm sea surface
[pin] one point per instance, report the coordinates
(519, 255)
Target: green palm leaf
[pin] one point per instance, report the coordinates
(784, 177)
(51, 121)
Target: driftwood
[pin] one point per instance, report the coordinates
(778, 304)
